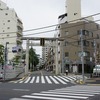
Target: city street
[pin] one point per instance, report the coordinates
(42, 85)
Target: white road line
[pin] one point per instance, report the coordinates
(60, 80)
(19, 99)
(64, 96)
(48, 80)
(21, 90)
(72, 77)
(37, 79)
(64, 79)
(42, 79)
(68, 78)
(73, 91)
(46, 98)
(27, 80)
(55, 81)
(68, 93)
(32, 80)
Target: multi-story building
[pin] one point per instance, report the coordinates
(72, 45)
(44, 54)
(73, 12)
(11, 28)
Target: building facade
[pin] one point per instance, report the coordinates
(11, 28)
(71, 47)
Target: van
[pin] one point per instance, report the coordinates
(96, 70)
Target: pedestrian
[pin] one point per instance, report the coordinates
(66, 72)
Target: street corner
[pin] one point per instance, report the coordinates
(93, 81)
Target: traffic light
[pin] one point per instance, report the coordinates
(42, 41)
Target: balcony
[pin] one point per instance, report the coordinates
(19, 41)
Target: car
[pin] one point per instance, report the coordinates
(96, 70)
(1, 75)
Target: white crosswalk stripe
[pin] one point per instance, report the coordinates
(32, 80)
(47, 79)
(69, 93)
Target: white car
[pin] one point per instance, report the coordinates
(96, 70)
(1, 75)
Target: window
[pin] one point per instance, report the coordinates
(66, 54)
(66, 43)
(7, 35)
(86, 43)
(92, 44)
(6, 13)
(8, 27)
(97, 26)
(8, 20)
(97, 45)
(66, 32)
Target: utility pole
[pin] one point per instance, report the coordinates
(63, 56)
(5, 58)
(82, 55)
(95, 54)
(57, 69)
(27, 57)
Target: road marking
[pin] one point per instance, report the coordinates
(69, 93)
(32, 80)
(68, 78)
(19, 99)
(60, 80)
(48, 80)
(66, 96)
(37, 79)
(55, 81)
(21, 90)
(63, 78)
(27, 80)
(42, 79)
(47, 98)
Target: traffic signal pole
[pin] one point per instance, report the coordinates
(27, 57)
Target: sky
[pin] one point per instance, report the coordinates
(40, 13)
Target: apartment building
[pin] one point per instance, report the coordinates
(11, 28)
(44, 54)
(72, 12)
(72, 47)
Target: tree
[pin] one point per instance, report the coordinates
(33, 59)
(1, 54)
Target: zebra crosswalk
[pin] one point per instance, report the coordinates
(47, 79)
(78, 92)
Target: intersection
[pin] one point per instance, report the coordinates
(43, 85)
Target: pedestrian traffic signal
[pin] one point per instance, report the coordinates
(42, 41)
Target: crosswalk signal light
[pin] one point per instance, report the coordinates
(42, 41)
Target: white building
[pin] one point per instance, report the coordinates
(11, 28)
(44, 54)
(72, 11)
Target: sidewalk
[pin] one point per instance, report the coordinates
(19, 76)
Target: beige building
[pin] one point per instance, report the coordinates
(11, 28)
(70, 48)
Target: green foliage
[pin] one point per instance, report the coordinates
(33, 59)
(1, 54)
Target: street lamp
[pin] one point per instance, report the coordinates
(5, 58)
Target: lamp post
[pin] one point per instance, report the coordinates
(5, 58)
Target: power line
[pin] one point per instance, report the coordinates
(52, 25)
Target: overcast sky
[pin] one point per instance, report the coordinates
(40, 13)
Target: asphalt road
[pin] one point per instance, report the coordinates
(34, 91)
(12, 90)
